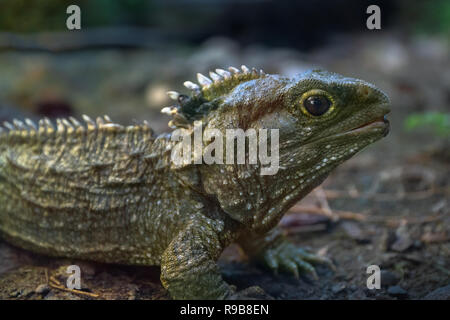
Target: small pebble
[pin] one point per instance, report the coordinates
(338, 287)
(397, 291)
(353, 231)
(42, 289)
(15, 293)
(403, 239)
(442, 293)
(389, 278)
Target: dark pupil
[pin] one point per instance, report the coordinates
(317, 105)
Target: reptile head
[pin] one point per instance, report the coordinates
(327, 107)
(322, 119)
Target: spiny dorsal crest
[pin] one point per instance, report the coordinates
(66, 126)
(204, 93)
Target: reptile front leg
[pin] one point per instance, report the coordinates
(188, 265)
(274, 251)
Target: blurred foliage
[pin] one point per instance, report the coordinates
(433, 17)
(439, 122)
(299, 24)
(23, 15)
(50, 15)
(28, 16)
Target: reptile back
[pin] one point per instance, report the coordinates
(79, 190)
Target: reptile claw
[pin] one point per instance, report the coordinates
(289, 258)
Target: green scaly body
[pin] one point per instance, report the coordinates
(104, 192)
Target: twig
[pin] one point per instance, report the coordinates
(348, 215)
(396, 220)
(339, 213)
(54, 283)
(304, 229)
(322, 198)
(415, 195)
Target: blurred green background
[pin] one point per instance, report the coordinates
(235, 18)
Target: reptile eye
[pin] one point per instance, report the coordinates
(317, 105)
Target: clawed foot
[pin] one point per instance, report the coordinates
(287, 257)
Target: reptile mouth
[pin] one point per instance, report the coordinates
(380, 122)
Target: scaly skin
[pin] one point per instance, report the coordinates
(103, 192)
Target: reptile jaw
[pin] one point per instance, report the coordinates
(378, 122)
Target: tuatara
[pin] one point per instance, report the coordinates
(101, 191)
